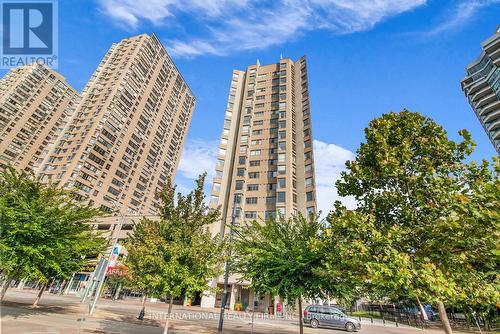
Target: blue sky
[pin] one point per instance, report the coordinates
(365, 57)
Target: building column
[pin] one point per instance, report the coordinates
(208, 297)
(234, 296)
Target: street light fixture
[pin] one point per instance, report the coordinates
(226, 267)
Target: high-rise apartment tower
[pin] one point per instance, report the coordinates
(482, 87)
(35, 103)
(126, 135)
(265, 163)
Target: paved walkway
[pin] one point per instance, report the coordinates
(65, 314)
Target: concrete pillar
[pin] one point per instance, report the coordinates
(234, 296)
(208, 297)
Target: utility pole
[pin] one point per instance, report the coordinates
(226, 266)
(103, 272)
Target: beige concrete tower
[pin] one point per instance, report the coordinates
(265, 156)
(35, 103)
(127, 133)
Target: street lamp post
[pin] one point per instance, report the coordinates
(226, 266)
(105, 268)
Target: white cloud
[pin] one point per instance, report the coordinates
(456, 17)
(198, 157)
(329, 162)
(225, 26)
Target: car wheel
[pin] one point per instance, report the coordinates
(350, 327)
(314, 323)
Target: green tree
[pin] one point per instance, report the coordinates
(175, 254)
(282, 258)
(407, 236)
(44, 230)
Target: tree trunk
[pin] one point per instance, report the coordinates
(301, 324)
(6, 285)
(143, 310)
(165, 331)
(42, 289)
(444, 318)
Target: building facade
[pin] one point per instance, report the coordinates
(126, 135)
(482, 87)
(265, 163)
(35, 104)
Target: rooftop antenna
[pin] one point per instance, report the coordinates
(281, 55)
(258, 62)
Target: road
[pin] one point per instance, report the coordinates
(65, 314)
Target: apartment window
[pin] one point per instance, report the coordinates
(256, 142)
(272, 151)
(281, 211)
(244, 139)
(309, 196)
(280, 197)
(250, 214)
(307, 144)
(259, 114)
(307, 155)
(244, 129)
(283, 88)
(222, 151)
(272, 162)
(282, 96)
(242, 160)
(239, 185)
(223, 141)
(214, 200)
(281, 183)
(216, 187)
(309, 181)
(256, 132)
(220, 162)
(281, 157)
(281, 169)
(282, 134)
(282, 80)
(227, 123)
(260, 97)
(240, 172)
(255, 123)
(270, 215)
(255, 152)
(251, 200)
(282, 145)
(259, 105)
(218, 174)
(308, 168)
(306, 122)
(254, 163)
(282, 124)
(246, 120)
(282, 114)
(271, 186)
(243, 149)
(306, 132)
(310, 210)
(253, 187)
(253, 175)
(272, 173)
(271, 200)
